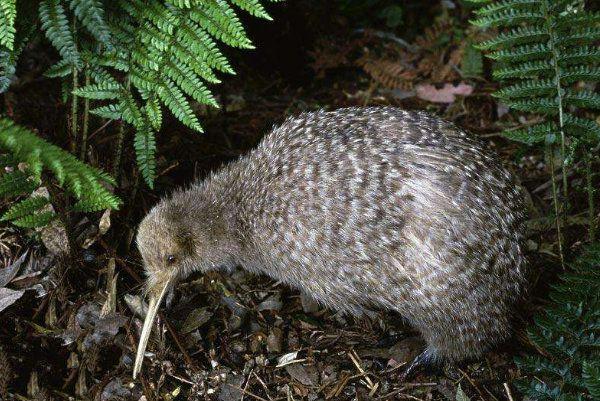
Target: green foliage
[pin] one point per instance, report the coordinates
(546, 48)
(8, 14)
(87, 184)
(568, 334)
(144, 57)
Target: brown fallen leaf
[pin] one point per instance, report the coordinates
(446, 94)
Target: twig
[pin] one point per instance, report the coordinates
(508, 393)
(472, 383)
(355, 360)
(264, 386)
(246, 392)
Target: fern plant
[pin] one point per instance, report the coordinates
(86, 183)
(141, 58)
(568, 335)
(548, 58)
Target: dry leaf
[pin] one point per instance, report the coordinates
(447, 94)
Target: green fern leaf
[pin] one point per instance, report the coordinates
(91, 15)
(582, 127)
(196, 40)
(585, 99)
(583, 36)
(60, 70)
(522, 53)
(110, 111)
(173, 98)
(527, 89)
(25, 207)
(509, 17)
(579, 55)
(516, 36)
(531, 135)
(524, 70)
(145, 150)
(253, 7)
(56, 26)
(100, 91)
(539, 105)
(580, 73)
(35, 220)
(219, 19)
(77, 176)
(154, 113)
(16, 183)
(8, 14)
(578, 20)
(507, 5)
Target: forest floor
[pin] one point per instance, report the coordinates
(227, 337)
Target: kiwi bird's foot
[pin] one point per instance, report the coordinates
(425, 362)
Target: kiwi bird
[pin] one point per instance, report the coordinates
(361, 209)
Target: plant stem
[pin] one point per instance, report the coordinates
(119, 151)
(559, 97)
(86, 118)
(590, 193)
(74, 111)
(556, 206)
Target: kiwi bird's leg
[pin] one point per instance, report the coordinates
(156, 295)
(426, 360)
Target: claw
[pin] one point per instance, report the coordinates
(424, 362)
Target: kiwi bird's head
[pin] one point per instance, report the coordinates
(182, 234)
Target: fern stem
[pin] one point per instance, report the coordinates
(119, 151)
(556, 206)
(590, 193)
(559, 94)
(74, 111)
(74, 102)
(86, 118)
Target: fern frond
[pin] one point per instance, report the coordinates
(539, 105)
(35, 220)
(579, 54)
(16, 183)
(110, 111)
(580, 73)
(531, 135)
(219, 19)
(582, 127)
(521, 53)
(585, 99)
(80, 178)
(509, 17)
(504, 5)
(524, 70)
(591, 377)
(173, 98)
(8, 14)
(56, 26)
(527, 88)
(579, 20)
(91, 15)
(198, 41)
(516, 36)
(59, 70)
(583, 36)
(145, 150)
(100, 91)
(154, 113)
(25, 207)
(253, 7)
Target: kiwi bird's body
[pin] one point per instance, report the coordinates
(366, 208)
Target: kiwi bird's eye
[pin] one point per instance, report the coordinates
(171, 259)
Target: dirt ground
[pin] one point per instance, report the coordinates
(226, 337)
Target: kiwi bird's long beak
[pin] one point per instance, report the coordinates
(154, 301)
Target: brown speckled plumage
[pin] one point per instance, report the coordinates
(361, 208)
